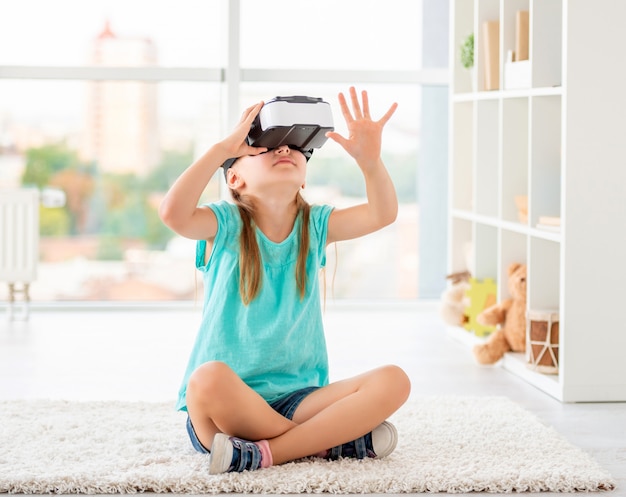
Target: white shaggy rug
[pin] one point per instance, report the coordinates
(446, 444)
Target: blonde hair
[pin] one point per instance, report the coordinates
(250, 255)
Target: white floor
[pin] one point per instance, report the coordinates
(139, 352)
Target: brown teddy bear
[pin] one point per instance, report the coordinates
(510, 314)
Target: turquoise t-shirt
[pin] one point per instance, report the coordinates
(276, 343)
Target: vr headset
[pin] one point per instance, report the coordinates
(299, 122)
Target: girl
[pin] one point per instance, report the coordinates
(256, 388)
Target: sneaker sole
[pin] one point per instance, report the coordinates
(384, 439)
(221, 454)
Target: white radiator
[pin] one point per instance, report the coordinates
(19, 243)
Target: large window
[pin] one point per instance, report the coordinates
(113, 148)
(90, 117)
(168, 33)
(330, 34)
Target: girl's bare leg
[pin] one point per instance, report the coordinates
(219, 401)
(342, 412)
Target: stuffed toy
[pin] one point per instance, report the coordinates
(510, 315)
(481, 294)
(454, 300)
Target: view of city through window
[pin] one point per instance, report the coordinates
(114, 147)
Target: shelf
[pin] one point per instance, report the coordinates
(551, 236)
(552, 91)
(506, 225)
(477, 218)
(514, 362)
(553, 149)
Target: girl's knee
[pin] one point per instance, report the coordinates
(397, 381)
(209, 379)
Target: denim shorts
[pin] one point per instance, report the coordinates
(285, 406)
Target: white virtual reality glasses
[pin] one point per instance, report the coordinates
(297, 121)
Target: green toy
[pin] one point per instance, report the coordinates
(481, 294)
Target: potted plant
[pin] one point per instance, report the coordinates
(467, 56)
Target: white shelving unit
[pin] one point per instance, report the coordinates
(562, 144)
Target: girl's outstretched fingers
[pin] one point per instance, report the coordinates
(363, 141)
(383, 120)
(356, 107)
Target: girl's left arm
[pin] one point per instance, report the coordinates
(364, 145)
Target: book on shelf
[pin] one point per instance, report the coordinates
(549, 223)
(550, 220)
(521, 35)
(491, 54)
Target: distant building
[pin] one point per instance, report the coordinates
(121, 129)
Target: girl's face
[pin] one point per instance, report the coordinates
(281, 166)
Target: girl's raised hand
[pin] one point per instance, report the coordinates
(235, 145)
(364, 134)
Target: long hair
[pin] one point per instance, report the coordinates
(250, 255)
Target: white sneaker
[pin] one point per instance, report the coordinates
(380, 442)
(384, 439)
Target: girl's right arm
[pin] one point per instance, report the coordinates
(179, 209)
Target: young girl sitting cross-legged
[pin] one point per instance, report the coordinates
(256, 388)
